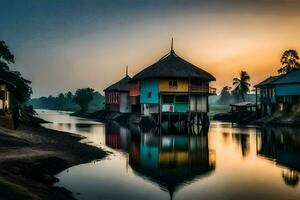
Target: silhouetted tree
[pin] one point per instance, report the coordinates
(291, 177)
(61, 96)
(69, 95)
(61, 101)
(83, 97)
(289, 61)
(6, 57)
(225, 96)
(241, 85)
(21, 94)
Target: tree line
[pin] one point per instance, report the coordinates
(83, 100)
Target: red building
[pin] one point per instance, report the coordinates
(117, 96)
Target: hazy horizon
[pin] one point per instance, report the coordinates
(65, 45)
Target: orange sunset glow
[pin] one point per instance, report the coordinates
(150, 99)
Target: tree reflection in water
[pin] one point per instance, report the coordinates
(290, 177)
(243, 141)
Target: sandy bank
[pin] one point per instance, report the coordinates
(31, 155)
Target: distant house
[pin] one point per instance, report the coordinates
(279, 93)
(117, 96)
(171, 85)
(5, 90)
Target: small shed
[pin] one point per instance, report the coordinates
(243, 107)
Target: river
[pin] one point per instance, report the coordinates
(231, 162)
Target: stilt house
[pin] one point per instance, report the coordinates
(171, 85)
(279, 93)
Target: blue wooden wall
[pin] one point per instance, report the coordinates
(287, 90)
(147, 86)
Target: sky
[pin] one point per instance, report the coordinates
(62, 45)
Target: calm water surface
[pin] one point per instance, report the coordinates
(229, 163)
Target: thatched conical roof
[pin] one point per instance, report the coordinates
(172, 179)
(173, 66)
(122, 85)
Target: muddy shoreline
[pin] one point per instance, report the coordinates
(32, 155)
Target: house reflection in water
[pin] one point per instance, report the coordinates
(169, 160)
(117, 137)
(283, 146)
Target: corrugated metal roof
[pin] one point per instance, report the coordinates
(291, 77)
(172, 66)
(243, 104)
(268, 81)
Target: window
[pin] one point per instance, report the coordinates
(182, 99)
(173, 84)
(167, 99)
(149, 94)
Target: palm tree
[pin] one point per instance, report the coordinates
(241, 85)
(289, 61)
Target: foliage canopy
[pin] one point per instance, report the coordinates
(22, 92)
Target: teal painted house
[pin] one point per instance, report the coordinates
(279, 93)
(172, 86)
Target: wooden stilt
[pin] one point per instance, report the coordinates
(169, 121)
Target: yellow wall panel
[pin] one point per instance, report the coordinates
(169, 158)
(182, 86)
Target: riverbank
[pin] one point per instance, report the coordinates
(280, 119)
(106, 116)
(32, 155)
(276, 119)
